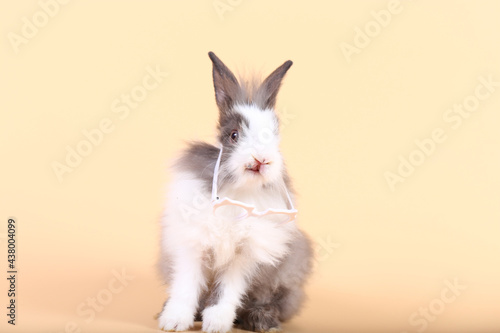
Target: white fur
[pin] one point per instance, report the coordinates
(261, 141)
(191, 231)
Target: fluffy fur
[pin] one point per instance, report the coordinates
(250, 272)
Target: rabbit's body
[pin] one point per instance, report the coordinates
(251, 270)
(189, 221)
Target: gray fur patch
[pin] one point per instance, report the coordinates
(276, 293)
(259, 318)
(227, 123)
(199, 158)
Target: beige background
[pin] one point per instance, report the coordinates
(382, 254)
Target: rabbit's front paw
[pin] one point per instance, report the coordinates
(175, 319)
(218, 319)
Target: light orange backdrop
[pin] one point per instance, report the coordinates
(369, 79)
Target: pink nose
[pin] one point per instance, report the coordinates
(258, 163)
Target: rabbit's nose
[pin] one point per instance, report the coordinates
(257, 164)
(260, 161)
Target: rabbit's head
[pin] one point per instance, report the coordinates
(248, 126)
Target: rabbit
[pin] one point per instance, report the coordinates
(225, 270)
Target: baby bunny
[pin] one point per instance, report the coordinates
(231, 249)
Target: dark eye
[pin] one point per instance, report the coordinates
(234, 136)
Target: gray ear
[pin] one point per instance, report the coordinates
(225, 84)
(268, 90)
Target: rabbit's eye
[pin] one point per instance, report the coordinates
(234, 136)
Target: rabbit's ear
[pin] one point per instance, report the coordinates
(225, 84)
(268, 90)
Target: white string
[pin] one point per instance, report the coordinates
(289, 199)
(216, 176)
